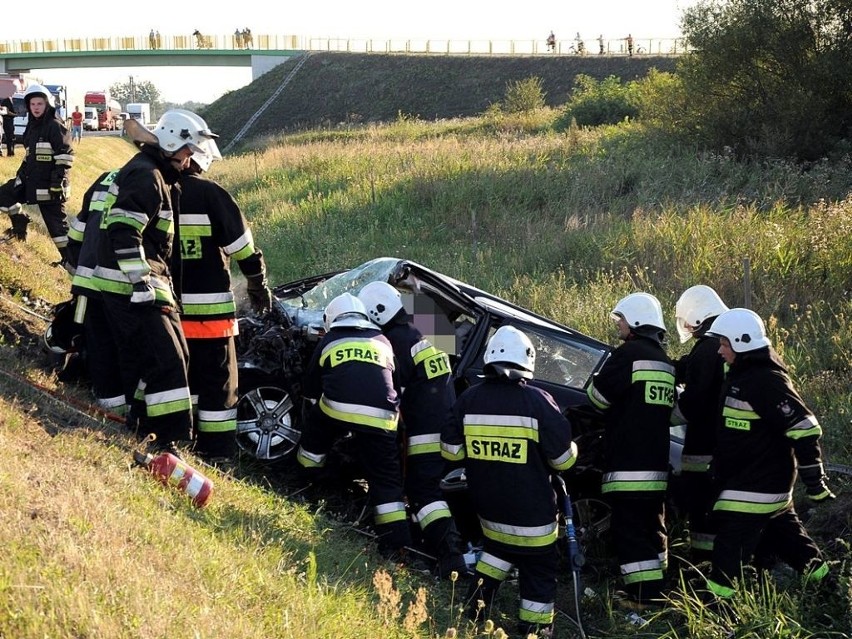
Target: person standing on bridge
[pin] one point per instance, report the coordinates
(42, 178)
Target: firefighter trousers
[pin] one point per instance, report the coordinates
(377, 454)
(152, 348)
(700, 496)
(639, 534)
(12, 194)
(424, 469)
(537, 572)
(213, 384)
(740, 537)
(102, 357)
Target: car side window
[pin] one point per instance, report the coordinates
(558, 359)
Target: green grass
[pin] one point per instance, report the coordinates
(564, 223)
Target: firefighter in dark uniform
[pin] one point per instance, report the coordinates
(764, 432)
(351, 384)
(635, 389)
(84, 235)
(134, 276)
(512, 437)
(42, 178)
(701, 372)
(427, 395)
(213, 231)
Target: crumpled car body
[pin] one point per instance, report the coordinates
(456, 317)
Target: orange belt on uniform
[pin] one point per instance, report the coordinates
(201, 329)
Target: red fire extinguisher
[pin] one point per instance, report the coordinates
(171, 470)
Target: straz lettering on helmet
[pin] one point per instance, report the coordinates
(358, 353)
(437, 365)
(660, 393)
(513, 451)
(737, 424)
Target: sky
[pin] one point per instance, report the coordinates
(376, 19)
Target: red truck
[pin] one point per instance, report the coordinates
(108, 110)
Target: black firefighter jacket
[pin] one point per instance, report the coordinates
(351, 373)
(48, 158)
(511, 437)
(211, 231)
(635, 388)
(764, 428)
(702, 372)
(139, 227)
(84, 235)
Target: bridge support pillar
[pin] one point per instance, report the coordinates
(260, 64)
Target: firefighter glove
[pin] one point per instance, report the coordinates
(816, 487)
(143, 294)
(259, 294)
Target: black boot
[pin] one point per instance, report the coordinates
(443, 539)
(18, 231)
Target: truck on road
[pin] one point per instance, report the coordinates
(108, 110)
(140, 111)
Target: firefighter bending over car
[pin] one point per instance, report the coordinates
(211, 232)
(635, 388)
(427, 395)
(351, 387)
(512, 436)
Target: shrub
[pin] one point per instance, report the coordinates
(524, 95)
(596, 102)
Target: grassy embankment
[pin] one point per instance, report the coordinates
(563, 223)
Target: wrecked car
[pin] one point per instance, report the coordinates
(456, 317)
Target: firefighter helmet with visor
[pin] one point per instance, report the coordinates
(382, 301)
(178, 128)
(696, 305)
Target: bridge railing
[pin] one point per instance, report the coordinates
(273, 42)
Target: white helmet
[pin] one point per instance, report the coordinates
(382, 301)
(211, 153)
(178, 128)
(37, 90)
(640, 309)
(697, 304)
(346, 310)
(508, 345)
(743, 328)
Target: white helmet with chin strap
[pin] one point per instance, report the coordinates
(696, 305)
(640, 309)
(178, 128)
(382, 301)
(743, 328)
(346, 310)
(508, 345)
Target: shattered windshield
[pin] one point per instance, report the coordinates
(378, 270)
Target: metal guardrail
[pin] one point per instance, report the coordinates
(266, 42)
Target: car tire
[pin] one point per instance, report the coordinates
(268, 426)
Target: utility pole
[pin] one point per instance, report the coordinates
(132, 90)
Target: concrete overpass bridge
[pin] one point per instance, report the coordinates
(262, 52)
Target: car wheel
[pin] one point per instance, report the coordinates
(266, 423)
